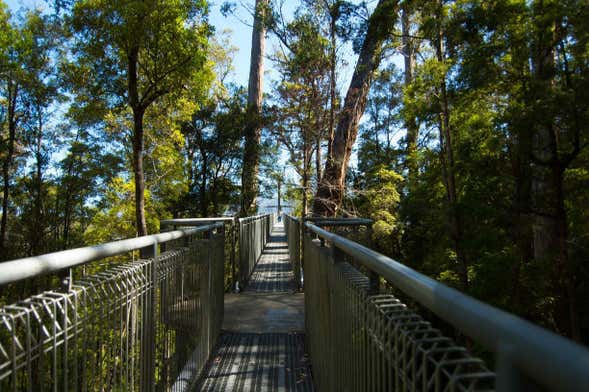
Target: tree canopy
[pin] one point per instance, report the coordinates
(458, 126)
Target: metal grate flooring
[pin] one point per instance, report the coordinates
(258, 362)
(273, 273)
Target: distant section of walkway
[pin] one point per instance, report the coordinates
(273, 273)
(262, 346)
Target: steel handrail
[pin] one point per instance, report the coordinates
(20, 269)
(252, 218)
(550, 359)
(195, 221)
(340, 221)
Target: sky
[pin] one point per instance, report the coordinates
(241, 38)
(240, 29)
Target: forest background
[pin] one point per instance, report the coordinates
(469, 153)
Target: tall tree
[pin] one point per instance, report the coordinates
(336, 16)
(408, 67)
(558, 133)
(330, 192)
(302, 96)
(140, 51)
(253, 128)
(12, 46)
(40, 91)
(446, 136)
(213, 148)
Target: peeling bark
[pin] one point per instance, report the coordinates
(330, 192)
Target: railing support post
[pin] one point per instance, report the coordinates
(242, 253)
(373, 277)
(148, 315)
(374, 283)
(509, 378)
(232, 256)
(67, 279)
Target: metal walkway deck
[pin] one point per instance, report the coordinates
(273, 273)
(262, 345)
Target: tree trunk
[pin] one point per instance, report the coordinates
(138, 144)
(279, 206)
(68, 204)
(138, 148)
(550, 244)
(253, 128)
(333, 14)
(550, 219)
(37, 240)
(305, 179)
(522, 227)
(67, 216)
(448, 168)
(330, 192)
(410, 122)
(203, 185)
(318, 159)
(7, 164)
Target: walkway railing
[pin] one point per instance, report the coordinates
(357, 228)
(292, 228)
(361, 338)
(231, 238)
(254, 232)
(140, 325)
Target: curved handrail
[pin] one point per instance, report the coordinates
(20, 269)
(195, 221)
(552, 360)
(252, 218)
(340, 221)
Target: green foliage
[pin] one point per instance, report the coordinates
(69, 176)
(301, 111)
(171, 38)
(377, 133)
(497, 75)
(507, 79)
(212, 139)
(115, 220)
(141, 51)
(380, 203)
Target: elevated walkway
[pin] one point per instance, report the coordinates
(262, 344)
(163, 322)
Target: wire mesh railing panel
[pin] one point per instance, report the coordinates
(231, 230)
(132, 327)
(254, 233)
(354, 229)
(293, 238)
(364, 342)
(401, 351)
